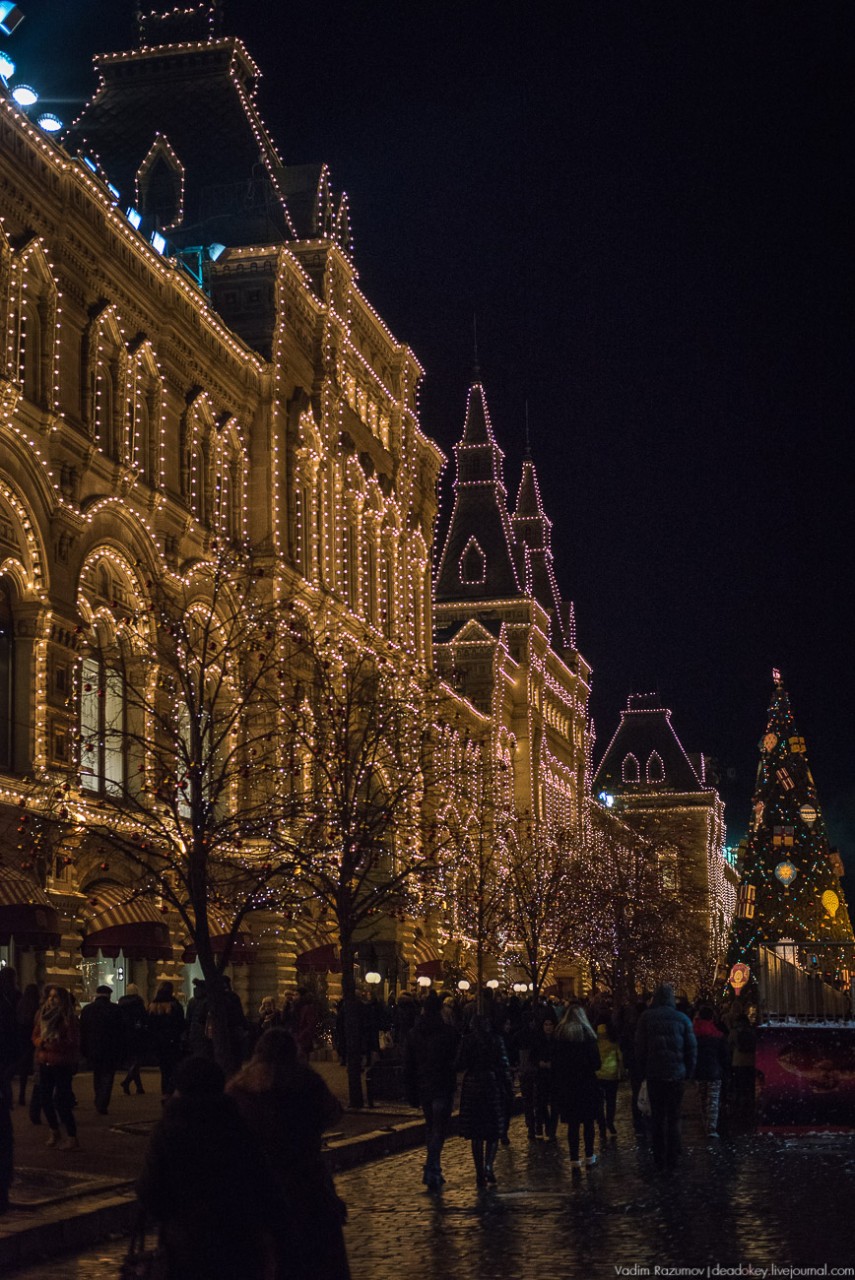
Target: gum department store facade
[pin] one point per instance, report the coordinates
(144, 417)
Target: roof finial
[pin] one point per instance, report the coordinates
(776, 676)
(476, 368)
(527, 434)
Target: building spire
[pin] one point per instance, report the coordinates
(476, 365)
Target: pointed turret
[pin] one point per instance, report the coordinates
(477, 560)
(790, 893)
(532, 531)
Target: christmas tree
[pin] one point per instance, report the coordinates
(790, 892)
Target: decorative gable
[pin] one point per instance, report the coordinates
(473, 564)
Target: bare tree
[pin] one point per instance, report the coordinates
(180, 762)
(540, 920)
(361, 732)
(634, 919)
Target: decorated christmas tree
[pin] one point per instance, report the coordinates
(790, 896)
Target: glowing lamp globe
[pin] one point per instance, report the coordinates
(373, 978)
(49, 122)
(463, 985)
(25, 95)
(7, 66)
(423, 981)
(493, 984)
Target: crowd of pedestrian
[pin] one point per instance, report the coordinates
(277, 1214)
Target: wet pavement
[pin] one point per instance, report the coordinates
(753, 1202)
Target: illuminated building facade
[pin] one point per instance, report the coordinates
(647, 780)
(506, 642)
(187, 361)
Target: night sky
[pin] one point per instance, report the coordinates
(648, 207)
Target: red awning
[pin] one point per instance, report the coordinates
(243, 949)
(26, 913)
(324, 959)
(118, 920)
(429, 969)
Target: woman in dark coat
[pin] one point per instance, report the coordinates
(132, 1008)
(575, 1090)
(206, 1183)
(486, 1084)
(288, 1106)
(165, 1029)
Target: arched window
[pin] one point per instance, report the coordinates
(655, 768)
(7, 674)
(102, 726)
(160, 186)
(473, 563)
(630, 769)
(389, 595)
(370, 601)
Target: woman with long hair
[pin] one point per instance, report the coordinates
(56, 1038)
(575, 1090)
(287, 1106)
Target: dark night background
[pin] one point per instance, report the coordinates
(648, 206)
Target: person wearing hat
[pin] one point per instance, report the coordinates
(102, 1043)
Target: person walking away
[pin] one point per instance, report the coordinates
(305, 1023)
(575, 1089)
(524, 1039)
(608, 1076)
(430, 1054)
(102, 1044)
(25, 1017)
(135, 1020)
(710, 1067)
(165, 1027)
(196, 1042)
(236, 1023)
(665, 1050)
(56, 1037)
(742, 1042)
(9, 1057)
(512, 1054)
(287, 1106)
(545, 1115)
(626, 1020)
(486, 1081)
(225, 1228)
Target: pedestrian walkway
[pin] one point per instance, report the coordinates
(749, 1202)
(72, 1197)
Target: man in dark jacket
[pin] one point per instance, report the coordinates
(430, 1078)
(102, 1043)
(665, 1050)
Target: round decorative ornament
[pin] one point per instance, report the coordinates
(739, 975)
(831, 902)
(786, 872)
(770, 742)
(808, 814)
(759, 810)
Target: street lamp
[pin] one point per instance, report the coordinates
(464, 984)
(423, 981)
(373, 978)
(493, 984)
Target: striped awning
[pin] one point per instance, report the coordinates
(427, 959)
(119, 919)
(243, 949)
(315, 947)
(26, 913)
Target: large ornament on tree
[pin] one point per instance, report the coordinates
(831, 902)
(808, 814)
(786, 873)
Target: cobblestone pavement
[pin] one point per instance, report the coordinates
(752, 1202)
